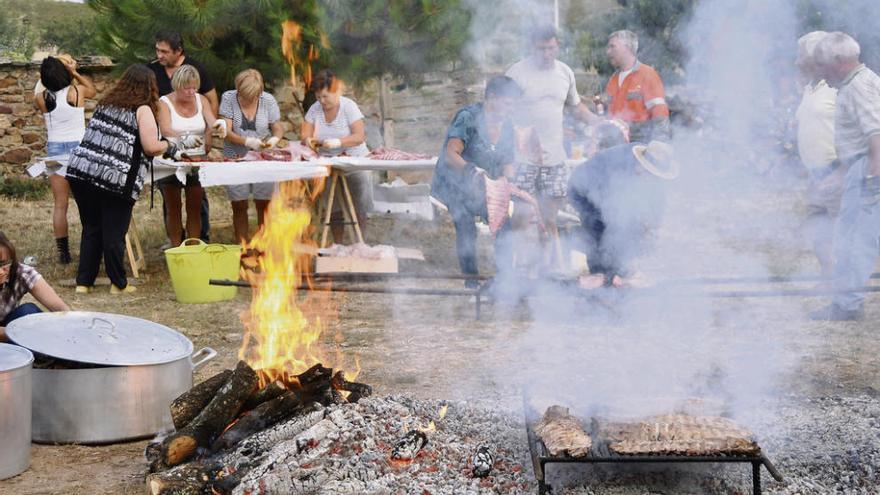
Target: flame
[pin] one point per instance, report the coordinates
(283, 326)
(279, 339)
(442, 411)
(292, 44)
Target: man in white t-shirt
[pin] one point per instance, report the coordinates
(815, 139)
(548, 89)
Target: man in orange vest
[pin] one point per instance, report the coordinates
(635, 91)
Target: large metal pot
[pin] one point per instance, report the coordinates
(141, 367)
(15, 409)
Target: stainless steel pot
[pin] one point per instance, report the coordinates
(145, 366)
(15, 409)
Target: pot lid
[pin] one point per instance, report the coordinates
(14, 357)
(99, 338)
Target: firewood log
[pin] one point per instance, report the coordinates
(357, 391)
(257, 419)
(214, 418)
(186, 479)
(265, 394)
(190, 403)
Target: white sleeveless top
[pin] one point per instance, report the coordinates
(187, 126)
(66, 123)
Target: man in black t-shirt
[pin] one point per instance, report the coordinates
(169, 57)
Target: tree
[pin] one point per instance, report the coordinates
(359, 40)
(656, 23)
(226, 35)
(855, 17)
(404, 38)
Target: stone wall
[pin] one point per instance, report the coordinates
(22, 130)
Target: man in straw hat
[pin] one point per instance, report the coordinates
(619, 196)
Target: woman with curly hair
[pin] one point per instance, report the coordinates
(61, 100)
(107, 171)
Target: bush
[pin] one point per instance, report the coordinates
(23, 188)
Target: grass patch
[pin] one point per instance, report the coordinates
(23, 188)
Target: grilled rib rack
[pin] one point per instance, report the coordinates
(600, 454)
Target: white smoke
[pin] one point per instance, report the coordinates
(634, 355)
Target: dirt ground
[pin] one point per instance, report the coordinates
(425, 346)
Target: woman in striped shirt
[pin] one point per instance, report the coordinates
(254, 122)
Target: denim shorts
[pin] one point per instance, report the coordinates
(58, 148)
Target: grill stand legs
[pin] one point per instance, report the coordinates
(756, 477)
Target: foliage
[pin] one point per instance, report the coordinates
(226, 35)
(359, 40)
(17, 39)
(856, 17)
(405, 38)
(22, 188)
(656, 23)
(26, 25)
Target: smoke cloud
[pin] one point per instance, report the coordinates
(631, 354)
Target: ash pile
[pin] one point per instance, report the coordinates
(306, 437)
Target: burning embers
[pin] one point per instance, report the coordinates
(347, 449)
(229, 417)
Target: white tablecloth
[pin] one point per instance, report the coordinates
(231, 173)
(356, 163)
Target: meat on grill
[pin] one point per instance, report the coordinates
(563, 433)
(705, 446)
(678, 434)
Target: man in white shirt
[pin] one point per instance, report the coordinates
(548, 89)
(815, 139)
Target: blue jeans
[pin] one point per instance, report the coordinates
(855, 239)
(60, 148)
(23, 310)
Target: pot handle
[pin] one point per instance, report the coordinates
(204, 351)
(96, 319)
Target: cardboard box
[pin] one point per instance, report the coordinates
(348, 264)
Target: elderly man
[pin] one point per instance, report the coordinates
(548, 89)
(857, 142)
(815, 139)
(635, 91)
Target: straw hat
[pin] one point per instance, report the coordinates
(657, 158)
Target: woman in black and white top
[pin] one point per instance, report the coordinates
(61, 99)
(107, 172)
(254, 122)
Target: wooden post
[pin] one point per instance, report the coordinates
(325, 229)
(135, 251)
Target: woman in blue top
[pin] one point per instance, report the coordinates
(480, 138)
